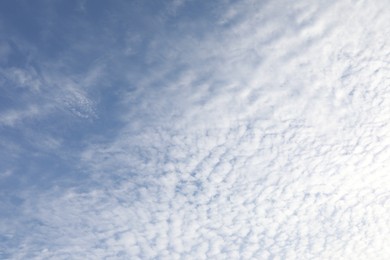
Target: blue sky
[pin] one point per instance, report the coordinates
(191, 129)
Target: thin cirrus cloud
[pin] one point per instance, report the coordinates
(188, 130)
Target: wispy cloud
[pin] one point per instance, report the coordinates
(250, 131)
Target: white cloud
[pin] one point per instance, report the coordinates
(262, 138)
(12, 117)
(44, 95)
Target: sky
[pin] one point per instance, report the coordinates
(188, 129)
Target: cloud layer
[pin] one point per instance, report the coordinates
(225, 130)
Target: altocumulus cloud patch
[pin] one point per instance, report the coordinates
(192, 130)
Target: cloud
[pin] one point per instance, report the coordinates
(259, 133)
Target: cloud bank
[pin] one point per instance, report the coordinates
(224, 130)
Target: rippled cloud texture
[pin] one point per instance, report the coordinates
(195, 129)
